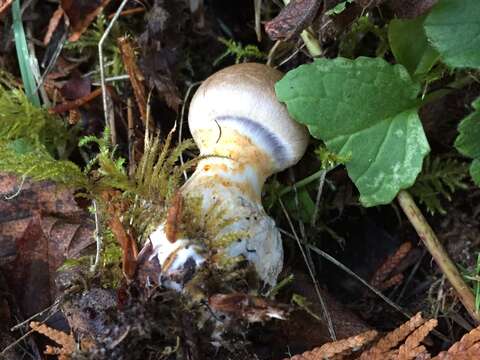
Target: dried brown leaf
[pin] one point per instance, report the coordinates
(292, 19)
(76, 87)
(39, 228)
(81, 13)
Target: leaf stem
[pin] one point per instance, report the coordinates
(436, 249)
(304, 182)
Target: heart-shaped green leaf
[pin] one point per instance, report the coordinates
(365, 108)
(453, 26)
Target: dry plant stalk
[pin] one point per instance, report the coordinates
(381, 279)
(75, 104)
(115, 210)
(438, 252)
(136, 77)
(66, 341)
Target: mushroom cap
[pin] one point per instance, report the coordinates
(236, 108)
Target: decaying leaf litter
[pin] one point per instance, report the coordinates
(96, 146)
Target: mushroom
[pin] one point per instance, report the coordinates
(245, 135)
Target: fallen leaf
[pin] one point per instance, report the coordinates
(81, 13)
(76, 87)
(40, 227)
(292, 19)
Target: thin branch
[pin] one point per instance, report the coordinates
(98, 238)
(321, 182)
(436, 249)
(108, 120)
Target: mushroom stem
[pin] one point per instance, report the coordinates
(230, 174)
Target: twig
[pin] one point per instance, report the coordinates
(111, 120)
(49, 308)
(438, 252)
(136, 76)
(291, 56)
(137, 10)
(304, 182)
(16, 342)
(272, 51)
(321, 182)
(75, 104)
(98, 238)
(24, 336)
(310, 265)
(310, 271)
(111, 78)
(20, 187)
(131, 137)
(257, 4)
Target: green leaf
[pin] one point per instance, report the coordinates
(410, 46)
(453, 27)
(24, 59)
(363, 108)
(468, 141)
(338, 8)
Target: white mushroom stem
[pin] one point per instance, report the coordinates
(236, 118)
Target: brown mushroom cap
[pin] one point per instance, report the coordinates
(241, 100)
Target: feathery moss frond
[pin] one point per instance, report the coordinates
(440, 177)
(39, 165)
